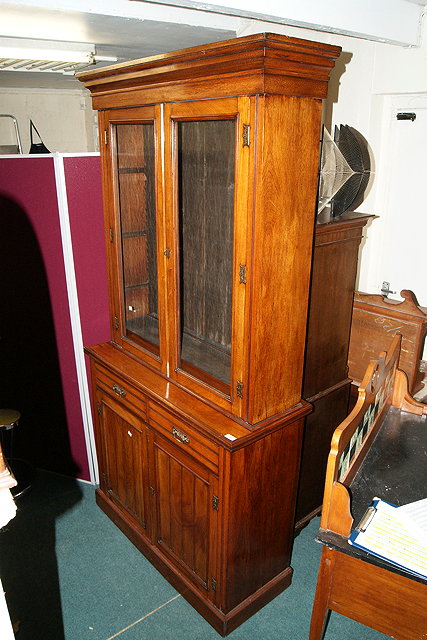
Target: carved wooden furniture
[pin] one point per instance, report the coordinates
(209, 160)
(326, 384)
(378, 451)
(376, 320)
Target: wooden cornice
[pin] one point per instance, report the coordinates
(260, 64)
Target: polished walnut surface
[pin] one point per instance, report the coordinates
(264, 63)
(214, 443)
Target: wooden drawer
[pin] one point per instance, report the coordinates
(124, 392)
(183, 435)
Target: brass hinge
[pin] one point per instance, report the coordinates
(116, 322)
(246, 135)
(215, 503)
(239, 389)
(100, 408)
(104, 478)
(111, 234)
(213, 583)
(242, 274)
(106, 136)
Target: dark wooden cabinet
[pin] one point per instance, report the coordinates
(209, 159)
(326, 383)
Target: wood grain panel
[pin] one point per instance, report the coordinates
(135, 268)
(242, 64)
(133, 197)
(334, 270)
(126, 458)
(184, 512)
(263, 481)
(395, 607)
(328, 411)
(284, 227)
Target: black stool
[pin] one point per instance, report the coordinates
(22, 471)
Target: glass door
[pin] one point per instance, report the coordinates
(135, 174)
(206, 157)
(134, 232)
(206, 169)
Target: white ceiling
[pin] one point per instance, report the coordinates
(130, 29)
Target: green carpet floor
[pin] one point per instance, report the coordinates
(70, 574)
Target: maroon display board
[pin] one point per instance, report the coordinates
(31, 201)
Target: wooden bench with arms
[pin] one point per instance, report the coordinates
(379, 450)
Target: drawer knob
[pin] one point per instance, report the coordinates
(180, 436)
(119, 390)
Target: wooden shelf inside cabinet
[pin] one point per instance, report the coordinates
(193, 157)
(123, 170)
(134, 234)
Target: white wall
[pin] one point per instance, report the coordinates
(370, 83)
(366, 78)
(399, 83)
(64, 118)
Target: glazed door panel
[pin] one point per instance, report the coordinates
(132, 137)
(125, 464)
(186, 519)
(206, 149)
(206, 159)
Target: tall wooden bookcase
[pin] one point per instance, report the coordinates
(209, 161)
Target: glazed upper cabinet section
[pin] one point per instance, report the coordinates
(179, 262)
(205, 198)
(137, 209)
(133, 206)
(208, 207)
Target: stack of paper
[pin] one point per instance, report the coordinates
(396, 534)
(414, 515)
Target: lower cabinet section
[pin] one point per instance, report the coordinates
(329, 410)
(125, 456)
(215, 517)
(187, 508)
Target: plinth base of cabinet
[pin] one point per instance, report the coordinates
(223, 623)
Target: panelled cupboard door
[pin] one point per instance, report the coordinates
(208, 160)
(186, 513)
(130, 144)
(124, 463)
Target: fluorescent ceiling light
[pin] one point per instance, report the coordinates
(21, 54)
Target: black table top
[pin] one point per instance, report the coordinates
(394, 469)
